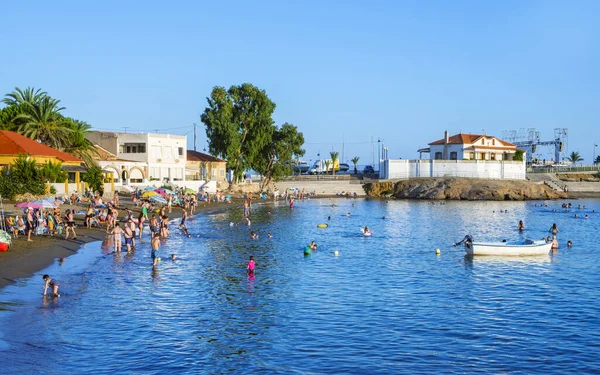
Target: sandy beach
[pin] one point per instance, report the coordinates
(24, 258)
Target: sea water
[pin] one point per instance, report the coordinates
(385, 304)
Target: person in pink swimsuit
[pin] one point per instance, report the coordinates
(250, 268)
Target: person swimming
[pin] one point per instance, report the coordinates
(313, 245)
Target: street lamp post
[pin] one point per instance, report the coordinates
(378, 154)
(594, 158)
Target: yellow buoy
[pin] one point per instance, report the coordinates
(322, 225)
(437, 251)
(336, 253)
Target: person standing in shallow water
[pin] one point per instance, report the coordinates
(250, 267)
(521, 226)
(554, 229)
(155, 246)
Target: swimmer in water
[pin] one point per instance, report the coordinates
(173, 256)
(313, 246)
(269, 235)
(253, 235)
(348, 214)
(521, 226)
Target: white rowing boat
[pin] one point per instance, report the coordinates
(524, 247)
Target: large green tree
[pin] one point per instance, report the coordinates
(275, 160)
(22, 176)
(239, 125)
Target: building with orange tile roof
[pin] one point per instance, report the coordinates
(464, 146)
(14, 144)
(200, 166)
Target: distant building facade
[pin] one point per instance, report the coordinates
(460, 156)
(13, 144)
(142, 158)
(200, 166)
(471, 147)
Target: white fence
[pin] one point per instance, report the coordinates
(487, 169)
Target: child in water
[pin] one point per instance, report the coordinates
(51, 283)
(250, 267)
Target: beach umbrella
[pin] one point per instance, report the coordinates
(149, 188)
(167, 191)
(161, 192)
(189, 191)
(148, 194)
(44, 203)
(158, 199)
(28, 204)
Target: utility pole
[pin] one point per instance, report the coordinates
(126, 128)
(194, 136)
(372, 153)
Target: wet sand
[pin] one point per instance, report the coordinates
(24, 258)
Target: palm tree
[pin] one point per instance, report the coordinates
(77, 144)
(355, 160)
(327, 164)
(574, 157)
(20, 97)
(334, 159)
(43, 122)
(597, 161)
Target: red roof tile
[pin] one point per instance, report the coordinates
(461, 139)
(12, 143)
(198, 156)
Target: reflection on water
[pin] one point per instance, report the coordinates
(385, 304)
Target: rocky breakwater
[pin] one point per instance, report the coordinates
(462, 189)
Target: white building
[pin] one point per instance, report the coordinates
(143, 158)
(470, 147)
(462, 156)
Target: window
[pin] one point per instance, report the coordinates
(438, 156)
(492, 156)
(222, 172)
(483, 141)
(156, 151)
(453, 155)
(180, 149)
(472, 156)
(168, 152)
(493, 142)
(132, 148)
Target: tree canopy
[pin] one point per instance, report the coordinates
(574, 157)
(240, 129)
(36, 115)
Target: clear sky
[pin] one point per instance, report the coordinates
(352, 71)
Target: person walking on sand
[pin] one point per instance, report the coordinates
(52, 284)
(116, 232)
(70, 224)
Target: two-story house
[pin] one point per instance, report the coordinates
(142, 158)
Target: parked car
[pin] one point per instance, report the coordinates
(344, 167)
(368, 169)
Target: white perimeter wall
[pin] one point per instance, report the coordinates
(501, 169)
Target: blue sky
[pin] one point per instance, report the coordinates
(352, 71)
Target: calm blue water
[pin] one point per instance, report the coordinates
(387, 304)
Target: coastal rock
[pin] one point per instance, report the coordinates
(462, 189)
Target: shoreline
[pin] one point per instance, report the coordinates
(24, 259)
